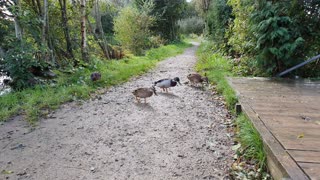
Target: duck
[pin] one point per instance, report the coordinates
(167, 83)
(144, 93)
(95, 76)
(196, 78)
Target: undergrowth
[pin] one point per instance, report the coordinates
(218, 68)
(75, 84)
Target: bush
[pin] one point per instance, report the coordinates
(132, 30)
(18, 64)
(192, 25)
(156, 41)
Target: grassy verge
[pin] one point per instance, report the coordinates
(251, 141)
(76, 84)
(250, 145)
(216, 67)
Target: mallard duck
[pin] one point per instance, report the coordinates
(144, 93)
(95, 76)
(196, 78)
(167, 83)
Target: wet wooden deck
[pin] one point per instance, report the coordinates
(287, 115)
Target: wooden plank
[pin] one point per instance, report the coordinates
(280, 163)
(286, 112)
(305, 156)
(313, 170)
(291, 121)
(289, 111)
(296, 138)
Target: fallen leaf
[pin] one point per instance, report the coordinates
(6, 172)
(318, 122)
(236, 147)
(300, 136)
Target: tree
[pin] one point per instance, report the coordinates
(84, 48)
(17, 25)
(168, 12)
(218, 22)
(98, 32)
(240, 38)
(64, 21)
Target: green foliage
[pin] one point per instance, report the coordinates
(191, 25)
(132, 29)
(251, 141)
(240, 38)
(276, 44)
(265, 37)
(5, 28)
(168, 12)
(217, 68)
(244, 66)
(218, 20)
(166, 51)
(107, 17)
(19, 61)
(190, 10)
(76, 84)
(156, 41)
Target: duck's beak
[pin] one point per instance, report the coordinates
(179, 83)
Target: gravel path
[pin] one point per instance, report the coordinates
(176, 135)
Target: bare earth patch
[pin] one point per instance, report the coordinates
(176, 135)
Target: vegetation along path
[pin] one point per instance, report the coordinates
(176, 135)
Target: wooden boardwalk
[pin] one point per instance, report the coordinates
(287, 115)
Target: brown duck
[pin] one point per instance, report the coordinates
(144, 93)
(196, 78)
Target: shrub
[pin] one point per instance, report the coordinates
(18, 64)
(132, 29)
(192, 25)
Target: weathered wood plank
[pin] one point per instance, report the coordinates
(298, 138)
(280, 163)
(305, 156)
(290, 112)
(313, 170)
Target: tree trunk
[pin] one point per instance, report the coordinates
(17, 26)
(39, 7)
(44, 23)
(84, 50)
(65, 27)
(99, 31)
(102, 45)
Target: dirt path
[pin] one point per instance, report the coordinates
(179, 135)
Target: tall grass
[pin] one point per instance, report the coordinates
(217, 68)
(76, 84)
(251, 141)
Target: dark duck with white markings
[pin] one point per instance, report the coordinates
(167, 83)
